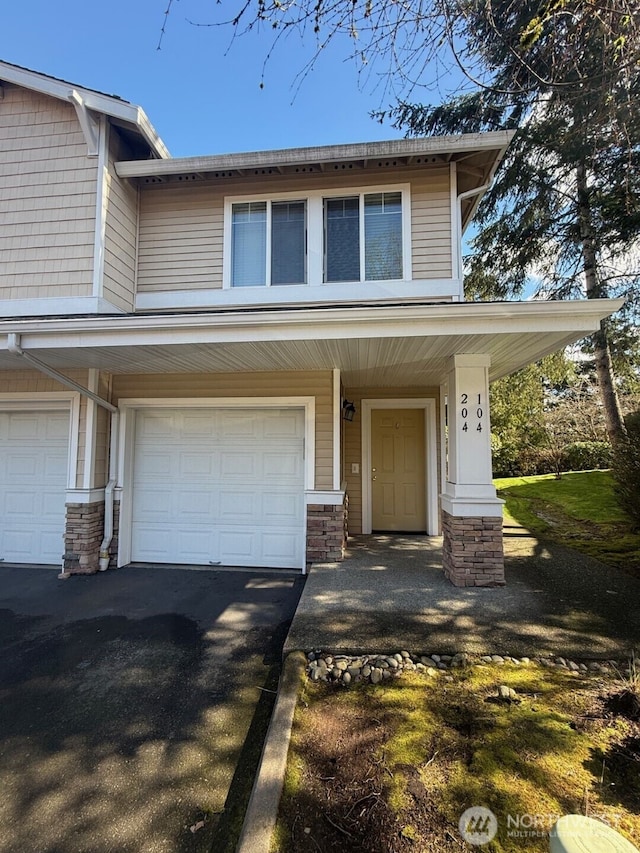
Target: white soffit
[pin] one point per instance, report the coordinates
(404, 345)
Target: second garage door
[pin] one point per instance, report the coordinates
(219, 486)
(33, 478)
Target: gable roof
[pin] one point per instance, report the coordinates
(123, 113)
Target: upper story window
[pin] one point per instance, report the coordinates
(268, 243)
(363, 233)
(324, 238)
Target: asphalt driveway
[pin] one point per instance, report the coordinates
(133, 705)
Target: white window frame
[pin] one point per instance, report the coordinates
(315, 232)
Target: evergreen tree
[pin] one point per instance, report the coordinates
(565, 205)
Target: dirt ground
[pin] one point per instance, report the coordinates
(342, 792)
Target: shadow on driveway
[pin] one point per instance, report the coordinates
(125, 702)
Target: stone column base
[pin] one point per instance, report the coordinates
(472, 553)
(84, 531)
(326, 532)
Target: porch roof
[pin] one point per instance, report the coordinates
(372, 345)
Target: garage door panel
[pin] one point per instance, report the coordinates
(284, 425)
(239, 465)
(281, 546)
(197, 464)
(279, 507)
(18, 542)
(197, 425)
(26, 427)
(155, 466)
(239, 504)
(23, 505)
(23, 465)
(235, 476)
(33, 479)
(235, 548)
(199, 503)
(55, 467)
(239, 426)
(154, 504)
(283, 465)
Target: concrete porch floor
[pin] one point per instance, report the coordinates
(390, 594)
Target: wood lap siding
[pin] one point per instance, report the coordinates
(47, 199)
(431, 226)
(180, 239)
(120, 232)
(286, 384)
(181, 226)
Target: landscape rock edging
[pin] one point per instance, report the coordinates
(373, 668)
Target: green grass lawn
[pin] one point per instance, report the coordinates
(579, 510)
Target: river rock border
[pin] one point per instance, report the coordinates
(373, 668)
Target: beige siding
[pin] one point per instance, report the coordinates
(181, 226)
(180, 238)
(431, 226)
(120, 231)
(293, 384)
(47, 199)
(352, 442)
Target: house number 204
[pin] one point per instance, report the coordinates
(471, 405)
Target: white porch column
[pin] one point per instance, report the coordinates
(471, 512)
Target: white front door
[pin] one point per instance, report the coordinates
(219, 486)
(34, 449)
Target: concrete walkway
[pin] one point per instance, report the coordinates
(390, 594)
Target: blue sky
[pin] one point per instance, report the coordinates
(201, 93)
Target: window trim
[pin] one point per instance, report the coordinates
(315, 232)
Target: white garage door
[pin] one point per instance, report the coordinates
(34, 448)
(219, 486)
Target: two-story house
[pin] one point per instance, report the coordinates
(231, 359)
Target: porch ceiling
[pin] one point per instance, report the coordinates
(393, 346)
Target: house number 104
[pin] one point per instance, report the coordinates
(469, 409)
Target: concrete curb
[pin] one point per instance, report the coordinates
(260, 817)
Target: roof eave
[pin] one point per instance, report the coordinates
(323, 155)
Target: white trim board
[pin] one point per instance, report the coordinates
(444, 289)
(431, 458)
(47, 306)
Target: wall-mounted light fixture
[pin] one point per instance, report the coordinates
(348, 410)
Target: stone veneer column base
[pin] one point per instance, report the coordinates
(84, 531)
(326, 532)
(472, 553)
